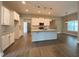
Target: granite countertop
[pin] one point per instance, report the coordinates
(43, 30)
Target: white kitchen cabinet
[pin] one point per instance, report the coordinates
(16, 16)
(47, 22)
(11, 38)
(5, 16)
(36, 21)
(11, 18)
(5, 41)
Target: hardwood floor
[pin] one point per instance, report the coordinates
(64, 46)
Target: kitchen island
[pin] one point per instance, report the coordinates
(41, 35)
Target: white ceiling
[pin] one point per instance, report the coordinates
(59, 8)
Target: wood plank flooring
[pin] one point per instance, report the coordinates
(64, 46)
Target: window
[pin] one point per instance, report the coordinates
(72, 25)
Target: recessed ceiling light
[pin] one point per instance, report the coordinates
(26, 10)
(49, 13)
(23, 2)
(39, 11)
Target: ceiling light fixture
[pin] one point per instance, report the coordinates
(26, 10)
(23, 2)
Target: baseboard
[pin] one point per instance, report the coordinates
(77, 42)
(58, 32)
(1, 54)
(69, 34)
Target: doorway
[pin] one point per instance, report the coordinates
(25, 27)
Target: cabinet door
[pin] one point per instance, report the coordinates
(47, 22)
(16, 16)
(5, 16)
(5, 41)
(11, 38)
(11, 18)
(35, 21)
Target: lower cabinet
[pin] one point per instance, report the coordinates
(7, 40)
(11, 38)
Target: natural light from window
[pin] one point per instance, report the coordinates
(72, 25)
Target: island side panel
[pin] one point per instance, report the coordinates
(41, 36)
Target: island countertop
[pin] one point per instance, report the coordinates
(43, 30)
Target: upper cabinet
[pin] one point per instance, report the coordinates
(8, 16)
(36, 21)
(11, 18)
(16, 16)
(5, 16)
(47, 22)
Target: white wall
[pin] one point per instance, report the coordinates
(59, 24)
